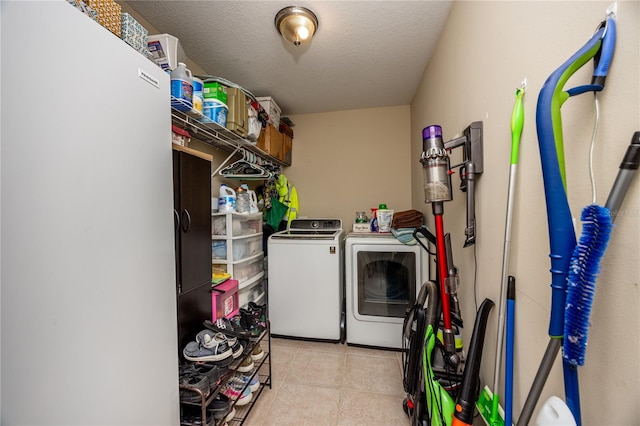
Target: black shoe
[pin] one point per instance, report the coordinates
(228, 327)
(219, 407)
(193, 386)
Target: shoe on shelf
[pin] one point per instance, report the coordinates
(234, 391)
(248, 321)
(231, 340)
(238, 349)
(260, 312)
(246, 365)
(192, 416)
(230, 416)
(193, 386)
(211, 371)
(219, 406)
(228, 327)
(208, 349)
(246, 380)
(257, 354)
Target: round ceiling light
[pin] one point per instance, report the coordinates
(296, 24)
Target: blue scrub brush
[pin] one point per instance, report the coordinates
(583, 271)
(584, 268)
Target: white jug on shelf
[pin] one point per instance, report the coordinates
(253, 202)
(227, 199)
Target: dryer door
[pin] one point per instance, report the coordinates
(385, 281)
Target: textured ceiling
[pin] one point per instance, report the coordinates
(365, 53)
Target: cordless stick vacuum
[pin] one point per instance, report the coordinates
(437, 189)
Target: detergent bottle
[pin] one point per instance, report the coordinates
(253, 202)
(182, 87)
(227, 199)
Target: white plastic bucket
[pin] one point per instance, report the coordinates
(215, 110)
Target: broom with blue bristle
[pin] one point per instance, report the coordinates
(585, 261)
(584, 268)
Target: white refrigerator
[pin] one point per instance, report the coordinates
(88, 296)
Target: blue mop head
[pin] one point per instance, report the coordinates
(583, 270)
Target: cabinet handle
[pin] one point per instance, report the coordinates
(176, 222)
(186, 224)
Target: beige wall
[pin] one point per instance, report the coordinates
(486, 50)
(350, 161)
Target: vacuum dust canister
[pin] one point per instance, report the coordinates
(435, 166)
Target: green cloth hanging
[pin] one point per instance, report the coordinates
(274, 215)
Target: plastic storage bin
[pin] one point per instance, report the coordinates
(225, 300)
(272, 109)
(166, 50)
(247, 247)
(249, 269)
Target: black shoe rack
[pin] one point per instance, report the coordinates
(262, 369)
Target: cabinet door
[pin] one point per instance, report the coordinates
(195, 221)
(194, 306)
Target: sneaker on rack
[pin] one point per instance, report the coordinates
(231, 340)
(246, 380)
(234, 391)
(208, 349)
(261, 313)
(238, 349)
(193, 386)
(248, 321)
(230, 416)
(228, 327)
(246, 365)
(211, 371)
(191, 415)
(219, 406)
(257, 354)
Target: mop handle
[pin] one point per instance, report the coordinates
(517, 123)
(627, 170)
(508, 377)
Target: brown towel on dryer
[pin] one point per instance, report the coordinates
(407, 219)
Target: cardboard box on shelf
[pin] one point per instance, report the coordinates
(109, 14)
(287, 149)
(270, 141)
(134, 34)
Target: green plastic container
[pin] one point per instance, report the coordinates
(215, 90)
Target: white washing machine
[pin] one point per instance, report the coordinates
(382, 279)
(306, 286)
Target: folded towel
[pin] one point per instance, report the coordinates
(407, 219)
(404, 235)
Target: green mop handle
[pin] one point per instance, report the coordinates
(517, 123)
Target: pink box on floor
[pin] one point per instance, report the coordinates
(224, 300)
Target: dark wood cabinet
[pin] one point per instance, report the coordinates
(192, 226)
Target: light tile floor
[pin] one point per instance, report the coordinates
(331, 384)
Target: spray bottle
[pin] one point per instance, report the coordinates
(374, 220)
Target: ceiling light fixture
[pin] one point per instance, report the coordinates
(296, 24)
